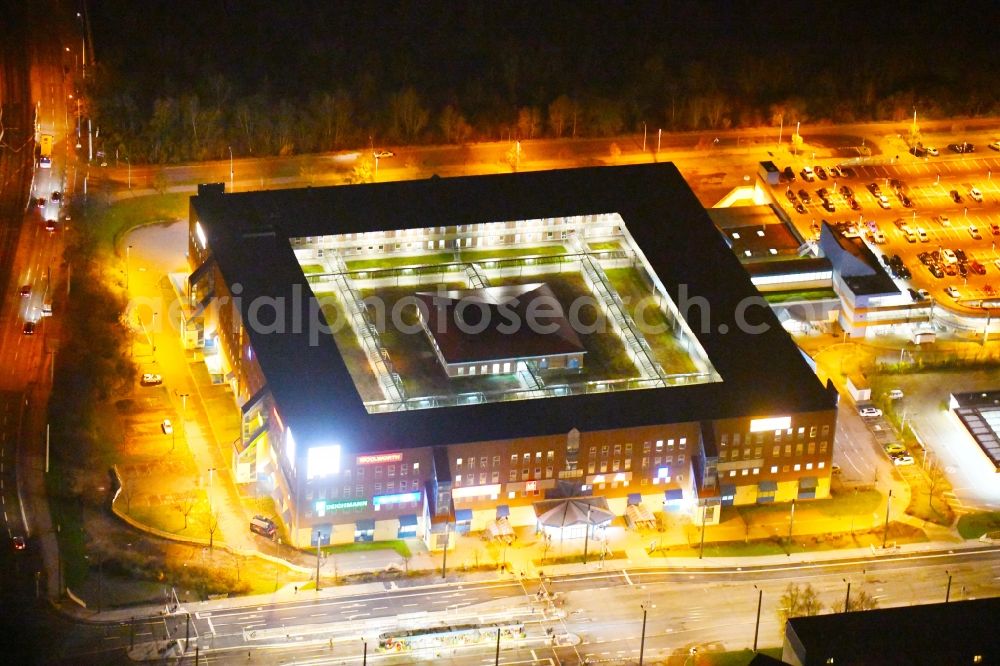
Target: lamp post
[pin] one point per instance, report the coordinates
(642, 641)
(128, 252)
(444, 560)
(847, 598)
(756, 628)
(791, 523)
(364, 655)
(947, 592)
(888, 505)
(129, 172)
(211, 484)
(232, 173)
(319, 545)
(496, 658)
(701, 547)
(586, 536)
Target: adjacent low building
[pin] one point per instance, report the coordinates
(664, 381)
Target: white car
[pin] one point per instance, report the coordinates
(902, 459)
(151, 380)
(923, 235)
(870, 412)
(949, 256)
(807, 174)
(896, 394)
(975, 194)
(167, 426)
(974, 232)
(951, 291)
(931, 151)
(883, 201)
(944, 220)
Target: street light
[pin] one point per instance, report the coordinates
(847, 598)
(947, 592)
(364, 655)
(791, 523)
(211, 484)
(319, 545)
(129, 172)
(642, 641)
(888, 505)
(232, 174)
(756, 629)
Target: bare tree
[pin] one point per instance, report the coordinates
(212, 523)
(561, 110)
(862, 601)
(409, 117)
(186, 505)
(798, 602)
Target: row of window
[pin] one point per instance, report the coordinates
(801, 448)
(756, 438)
(797, 467)
(359, 491)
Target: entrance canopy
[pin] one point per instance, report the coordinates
(573, 511)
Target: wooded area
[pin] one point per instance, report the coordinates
(186, 80)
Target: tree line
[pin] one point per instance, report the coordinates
(280, 80)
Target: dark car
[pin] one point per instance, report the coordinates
(905, 200)
(828, 206)
(917, 151)
(28, 328)
(18, 542)
(57, 196)
(955, 196)
(25, 290)
(977, 268)
(800, 208)
(995, 228)
(788, 174)
(936, 271)
(790, 195)
(846, 191)
(854, 203)
(874, 188)
(804, 196)
(821, 172)
(823, 193)
(51, 225)
(914, 296)
(962, 148)
(848, 172)
(963, 270)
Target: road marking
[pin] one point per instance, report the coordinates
(211, 627)
(627, 579)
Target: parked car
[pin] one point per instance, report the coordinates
(835, 172)
(18, 542)
(951, 291)
(924, 294)
(807, 174)
(25, 291)
(949, 256)
(800, 208)
(896, 394)
(804, 196)
(944, 220)
(895, 448)
(995, 228)
(854, 203)
(791, 195)
(883, 201)
(28, 328)
(167, 426)
(788, 174)
(974, 232)
(821, 172)
(902, 459)
(932, 151)
(955, 196)
(995, 145)
(151, 380)
(874, 188)
(922, 235)
(51, 226)
(870, 412)
(975, 194)
(977, 268)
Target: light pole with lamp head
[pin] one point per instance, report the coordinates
(847, 598)
(232, 173)
(756, 628)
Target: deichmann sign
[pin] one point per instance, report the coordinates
(379, 458)
(346, 505)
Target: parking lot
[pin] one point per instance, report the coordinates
(919, 209)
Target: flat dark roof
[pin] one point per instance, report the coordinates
(952, 633)
(979, 412)
(248, 234)
(857, 265)
(472, 341)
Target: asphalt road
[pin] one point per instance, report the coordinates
(708, 609)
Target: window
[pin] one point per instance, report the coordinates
(797, 467)
(538, 472)
(788, 450)
(458, 462)
(746, 452)
(670, 443)
(593, 452)
(359, 491)
(809, 465)
(722, 455)
(591, 466)
(378, 488)
(414, 485)
(392, 470)
(822, 447)
(756, 470)
(512, 476)
(538, 455)
(527, 458)
(551, 456)
(628, 448)
(745, 472)
(820, 465)
(458, 479)
(378, 472)
(524, 474)
(784, 468)
(777, 435)
(482, 478)
(724, 440)
(659, 444)
(798, 449)
(776, 451)
(347, 492)
(826, 430)
(604, 466)
(390, 486)
(647, 447)
(774, 469)
(732, 472)
(513, 460)
(680, 459)
(416, 466)
(758, 452)
(604, 451)
(645, 463)
(615, 465)
(483, 462)
(548, 472)
(811, 448)
(496, 461)
(812, 432)
(736, 439)
(628, 464)
(618, 450)
(361, 473)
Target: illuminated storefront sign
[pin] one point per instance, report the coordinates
(323, 506)
(531, 486)
(774, 423)
(322, 461)
(476, 491)
(379, 458)
(399, 498)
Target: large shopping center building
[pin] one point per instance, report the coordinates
(416, 357)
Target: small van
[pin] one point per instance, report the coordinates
(263, 526)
